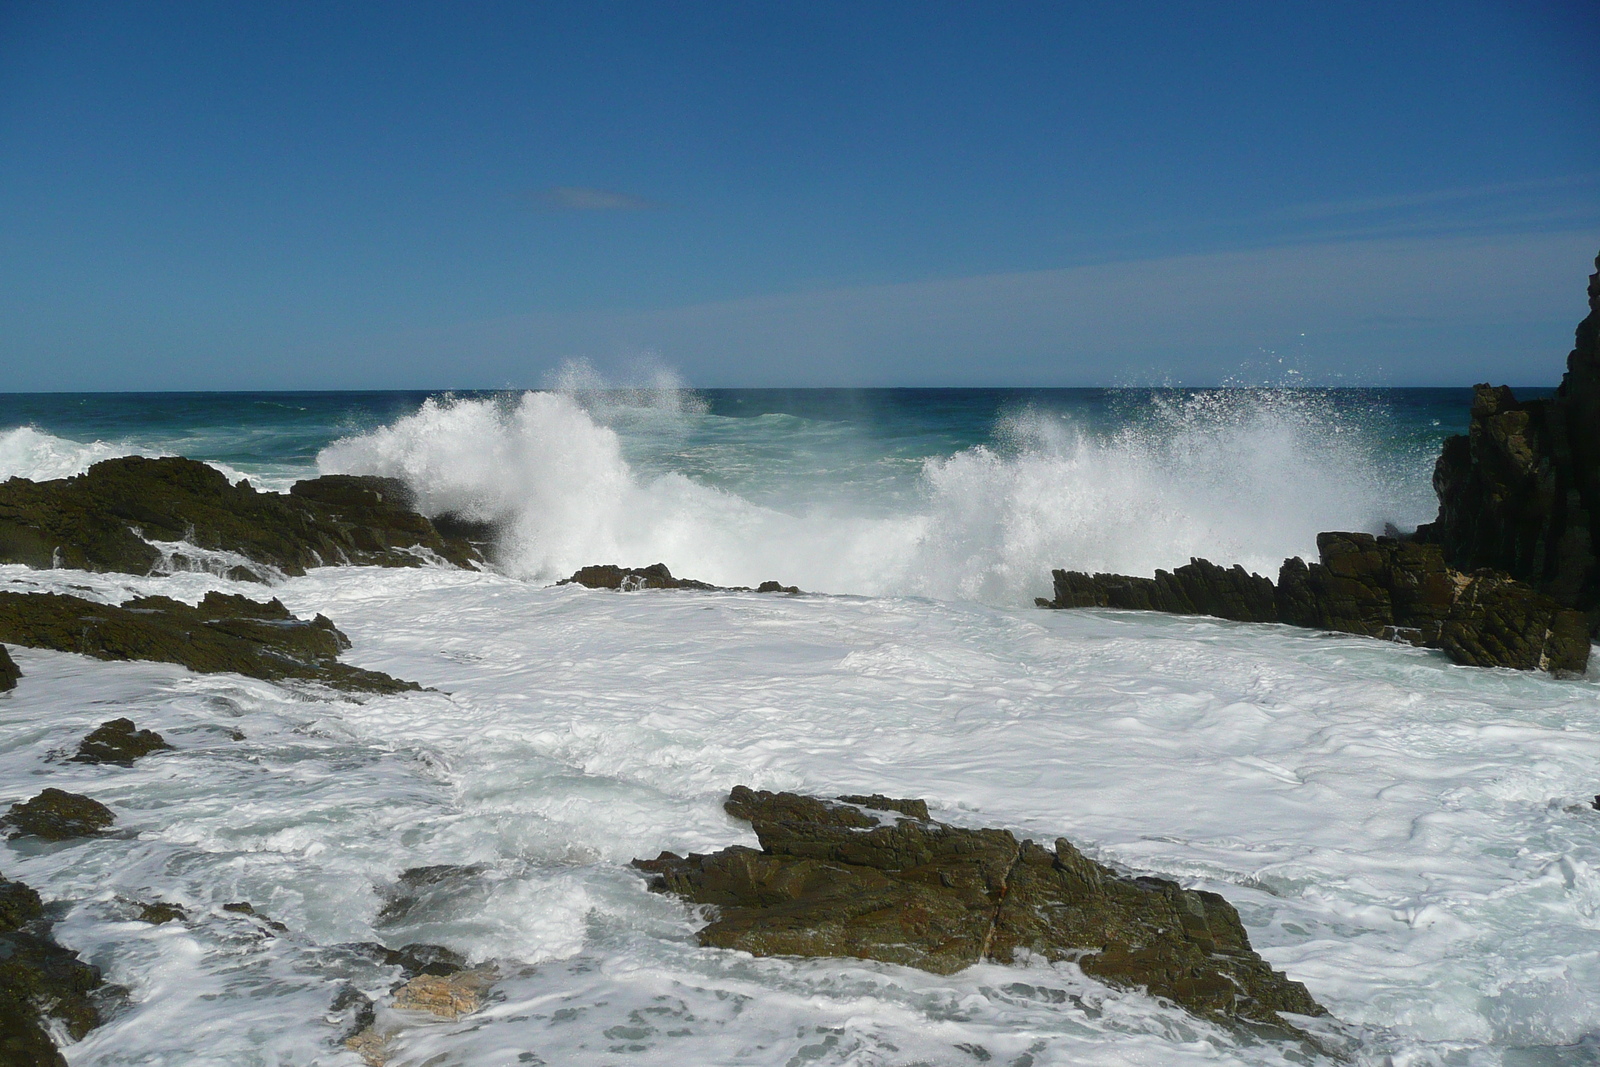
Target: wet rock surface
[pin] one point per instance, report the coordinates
(40, 983)
(56, 815)
(874, 878)
(221, 633)
(118, 741)
(1520, 492)
(657, 576)
(10, 673)
(105, 519)
(1377, 586)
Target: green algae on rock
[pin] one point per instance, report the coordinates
(118, 741)
(57, 815)
(222, 633)
(40, 982)
(107, 518)
(873, 878)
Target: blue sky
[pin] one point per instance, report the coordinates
(351, 195)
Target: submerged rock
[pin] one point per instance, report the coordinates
(1377, 586)
(10, 673)
(448, 997)
(874, 878)
(222, 633)
(40, 983)
(161, 912)
(118, 741)
(1520, 492)
(106, 518)
(57, 815)
(657, 576)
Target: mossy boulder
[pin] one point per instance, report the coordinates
(221, 633)
(106, 518)
(871, 877)
(57, 815)
(10, 673)
(118, 741)
(40, 982)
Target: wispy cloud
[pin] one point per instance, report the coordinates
(583, 198)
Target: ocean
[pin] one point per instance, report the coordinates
(1412, 840)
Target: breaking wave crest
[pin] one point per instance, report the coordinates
(1237, 477)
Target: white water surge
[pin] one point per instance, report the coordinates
(1244, 484)
(1411, 839)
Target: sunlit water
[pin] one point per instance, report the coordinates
(1411, 839)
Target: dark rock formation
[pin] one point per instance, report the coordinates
(10, 673)
(1377, 586)
(39, 981)
(119, 742)
(104, 519)
(57, 815)
(222, 633)
(1520, 493)
(161, 912)
(244, 907)
(421, 891)
(657, 576)
(874, 878)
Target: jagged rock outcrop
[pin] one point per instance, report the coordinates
(1520, 492)
(106, 518)
(1377, 586)
(656, 576)
(871, 877)
(118, 741)
(10, 673)
(222, 633)
(40, 982)
(57, 815)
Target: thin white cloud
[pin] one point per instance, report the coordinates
(582, 198)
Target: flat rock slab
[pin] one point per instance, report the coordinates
(221, 633)
(872, 877)
(657, 576)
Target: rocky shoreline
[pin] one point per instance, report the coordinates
(1507, 575)
(871, 877)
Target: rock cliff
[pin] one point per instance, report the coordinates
(1520, 492)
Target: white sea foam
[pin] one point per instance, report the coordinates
(1237, 481)
(26, 452)
(1411, 839)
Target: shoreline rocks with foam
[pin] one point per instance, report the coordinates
(221, 633)
(657, 576)
(1374, 586)
(142, 516)
(870, 877)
